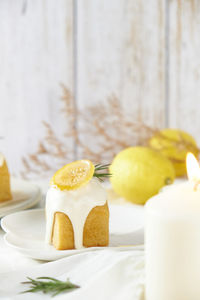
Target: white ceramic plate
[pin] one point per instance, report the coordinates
(25, 232)
(25, 195)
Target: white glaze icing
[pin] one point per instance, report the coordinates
(1, 160)
(76, 204)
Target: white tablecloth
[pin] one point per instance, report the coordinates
(106, 274)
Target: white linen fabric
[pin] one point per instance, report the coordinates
(102, 275)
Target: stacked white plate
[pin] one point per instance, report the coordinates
(25, 195)
(25, 232)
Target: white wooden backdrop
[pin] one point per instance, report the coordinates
(147, 53)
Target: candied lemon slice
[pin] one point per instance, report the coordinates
(73, 175)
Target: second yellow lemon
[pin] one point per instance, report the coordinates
(174, 144)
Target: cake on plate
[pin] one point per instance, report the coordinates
(5, 192)
(77, 213)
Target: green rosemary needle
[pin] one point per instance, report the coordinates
(49, 285)
(98, 171)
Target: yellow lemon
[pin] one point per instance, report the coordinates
(138, 173)
(175, 144)
(73, 175)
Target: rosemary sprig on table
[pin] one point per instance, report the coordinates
(49, 285)
(100, 173)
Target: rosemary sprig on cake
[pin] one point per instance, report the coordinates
(98, 171)
(49, 285)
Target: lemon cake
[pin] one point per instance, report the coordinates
(77, 213)
(5, 193)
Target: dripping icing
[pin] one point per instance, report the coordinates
(1, 160)
(76, 204)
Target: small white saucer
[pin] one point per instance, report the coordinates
(25, 195)
(25, 232)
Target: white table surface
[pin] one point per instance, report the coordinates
(11, 260)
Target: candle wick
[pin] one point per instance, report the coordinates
(196, 185)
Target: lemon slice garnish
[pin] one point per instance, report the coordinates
(73, 175)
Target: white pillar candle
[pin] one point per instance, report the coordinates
(172, 239)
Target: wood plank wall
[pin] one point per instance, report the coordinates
(36, 54)
(184, 65)
(146, 53)
(121, 51)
